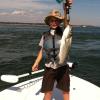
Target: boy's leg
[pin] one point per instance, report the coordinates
(47, 95)
(65, 95)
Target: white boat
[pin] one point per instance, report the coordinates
(84, 26)
(30, 90)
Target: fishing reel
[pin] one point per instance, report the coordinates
(67, 6)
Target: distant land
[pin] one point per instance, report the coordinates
(19, 23)
(45, 24)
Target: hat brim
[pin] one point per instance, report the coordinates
(47, 19)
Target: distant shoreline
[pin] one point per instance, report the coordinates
(45, 24)
(20, 23)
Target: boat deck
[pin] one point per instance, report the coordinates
(30, 90)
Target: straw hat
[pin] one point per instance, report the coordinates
(54, 13)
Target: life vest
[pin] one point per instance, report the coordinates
(51, 46)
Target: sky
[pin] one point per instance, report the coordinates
(83, 12)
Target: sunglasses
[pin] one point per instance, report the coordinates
(54, 20)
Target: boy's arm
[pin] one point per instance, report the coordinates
(37, 61)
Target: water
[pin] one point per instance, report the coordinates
(19, 44)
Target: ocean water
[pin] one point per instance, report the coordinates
(19, 47)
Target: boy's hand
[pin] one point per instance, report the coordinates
(35, 67)
(70, 2)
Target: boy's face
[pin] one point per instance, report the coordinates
(54, 23)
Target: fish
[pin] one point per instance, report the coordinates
(65, 45)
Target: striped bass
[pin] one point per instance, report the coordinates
(65, 45)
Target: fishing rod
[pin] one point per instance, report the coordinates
(66, 7)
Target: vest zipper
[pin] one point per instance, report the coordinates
(54, 53)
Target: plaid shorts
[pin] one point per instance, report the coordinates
(61, 75)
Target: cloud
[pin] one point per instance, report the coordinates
(28, 4)
(3, 13)
(18, 12)
(26, 10)
(15, 12)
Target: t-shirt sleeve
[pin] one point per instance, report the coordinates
(41, 43)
